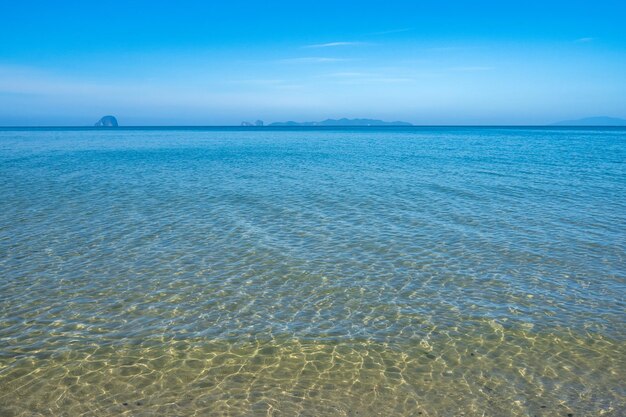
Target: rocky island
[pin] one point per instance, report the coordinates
(107, 121)
(258, 123)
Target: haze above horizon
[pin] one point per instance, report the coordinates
(217, 64)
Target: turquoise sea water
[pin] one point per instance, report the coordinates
(339, 272)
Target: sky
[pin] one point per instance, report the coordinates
(219, 63)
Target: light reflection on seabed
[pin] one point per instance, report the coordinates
(498, 374)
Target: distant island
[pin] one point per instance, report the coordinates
(593, 121)
(258, 123)
(343, 122)
(107, 121)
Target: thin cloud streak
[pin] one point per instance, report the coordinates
(258, 81)
(335, 44)
(365, 78)
(585, 40)
(311, 60)
(378, 80)
(348, 74)
(470, 69)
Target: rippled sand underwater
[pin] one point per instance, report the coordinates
(354, 272)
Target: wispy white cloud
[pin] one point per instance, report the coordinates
(44, 86)
(335, 44)
(471, 69)
(348, 74)
(379, 76)
(267, 83)
(585, 40)
(390, 80)
(33, 81)
(369, 79)
(259, 81)
(311, 60)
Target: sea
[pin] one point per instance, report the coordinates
(376, 271)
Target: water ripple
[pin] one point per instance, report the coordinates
(429, 272)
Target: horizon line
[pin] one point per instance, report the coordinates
(296, 126)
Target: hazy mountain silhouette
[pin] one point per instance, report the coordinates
(593, 121)
(343, 122)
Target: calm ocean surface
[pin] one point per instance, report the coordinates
(314, 272)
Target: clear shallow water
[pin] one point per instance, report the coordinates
(355, 272)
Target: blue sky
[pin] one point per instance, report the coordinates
(204, 63)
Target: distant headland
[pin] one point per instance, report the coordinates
(593, 121)
(343, 122)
